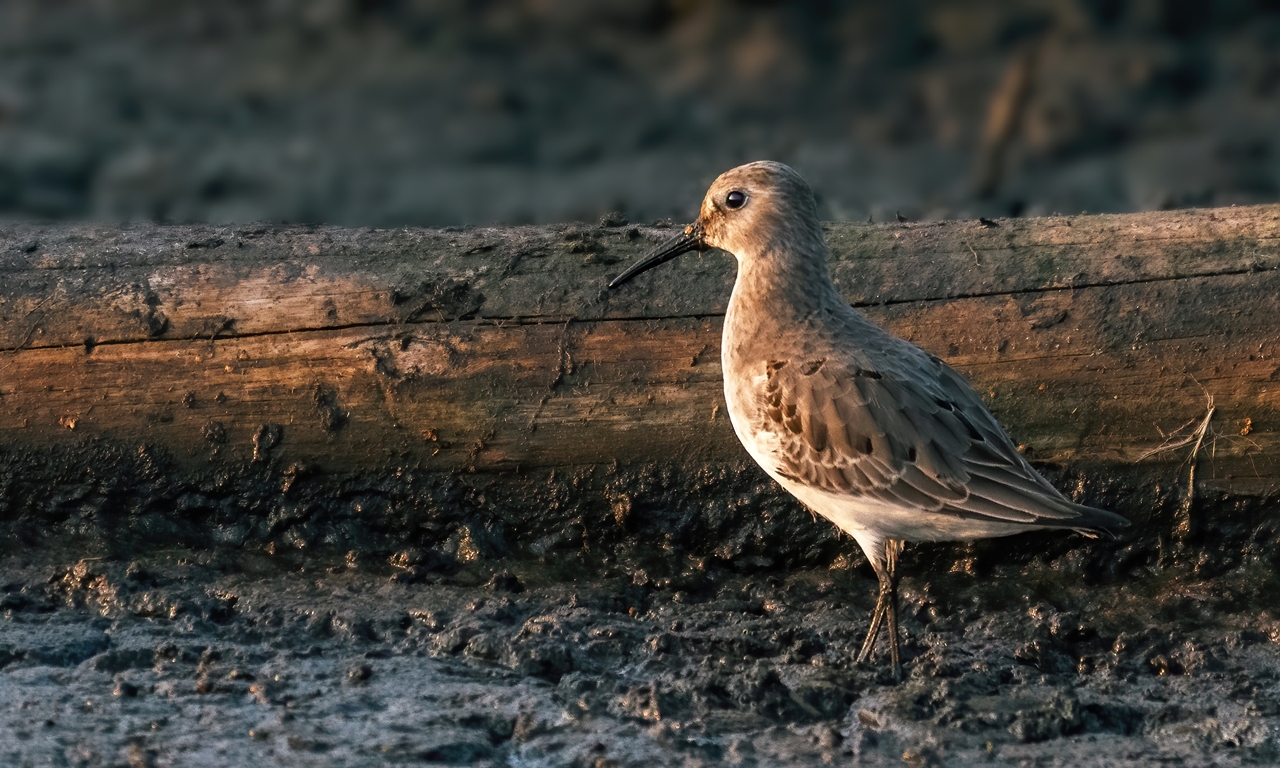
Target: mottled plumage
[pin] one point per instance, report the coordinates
(869, 431)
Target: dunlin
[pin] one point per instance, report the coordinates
(873, 433)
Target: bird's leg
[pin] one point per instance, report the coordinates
(877, 615)
(891, 550)
(886, 606)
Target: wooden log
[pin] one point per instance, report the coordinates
(487, 351)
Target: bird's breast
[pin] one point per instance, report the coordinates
(745, 352)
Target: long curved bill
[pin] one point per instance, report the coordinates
(688, 240)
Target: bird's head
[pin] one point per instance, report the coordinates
(755, 209)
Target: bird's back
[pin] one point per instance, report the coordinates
(877, 435)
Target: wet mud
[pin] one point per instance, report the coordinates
(186, 658)
(151, 617)
(400, 112)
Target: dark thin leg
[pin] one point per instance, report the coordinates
(886, 608)
(892, 548)
(873, 631)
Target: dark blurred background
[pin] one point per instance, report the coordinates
(412, 112)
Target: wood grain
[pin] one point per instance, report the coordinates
(1092, 337)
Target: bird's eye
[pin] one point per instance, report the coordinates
(736, 199)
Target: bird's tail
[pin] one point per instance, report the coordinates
(1094, 522)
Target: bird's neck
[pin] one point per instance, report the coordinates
(777, 297)
(779, 290)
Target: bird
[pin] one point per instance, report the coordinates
(873, 433)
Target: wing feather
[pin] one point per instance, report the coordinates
(914, 435)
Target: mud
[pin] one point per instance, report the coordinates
(395, 112)
(119, 501)
(195, 658)
(152, 617)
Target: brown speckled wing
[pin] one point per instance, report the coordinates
(915, 438)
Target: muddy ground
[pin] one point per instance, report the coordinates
(663, 642)
(197, 658)
(408, 112)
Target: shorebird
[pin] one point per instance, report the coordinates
(878, 436)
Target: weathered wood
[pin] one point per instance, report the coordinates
(498, 349)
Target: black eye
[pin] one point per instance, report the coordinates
(736, 199)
